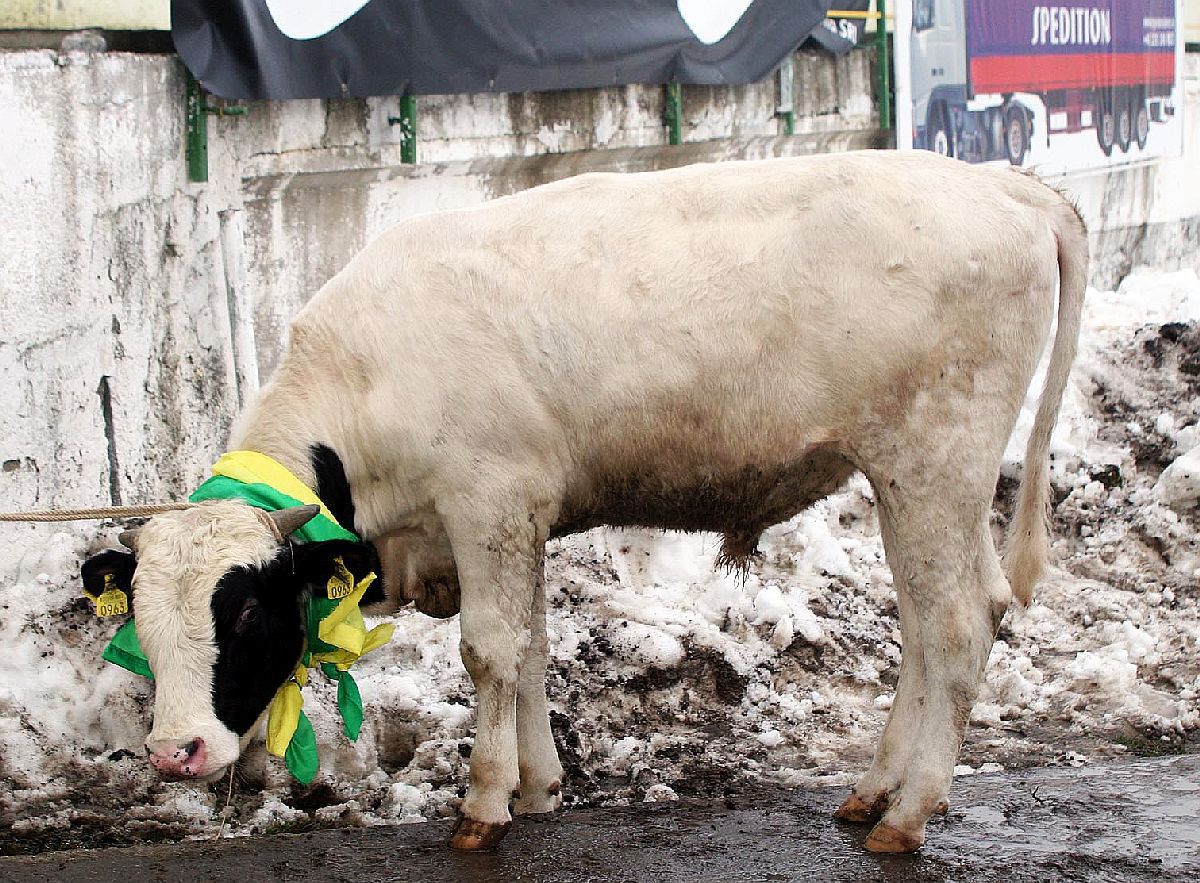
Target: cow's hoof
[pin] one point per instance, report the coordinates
(472, 836)
(885, 838)
(858, 812)
(942, 808)
(549, 801)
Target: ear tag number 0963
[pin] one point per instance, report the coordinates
(341, 583)
(112, 601)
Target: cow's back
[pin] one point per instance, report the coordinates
(694, 326)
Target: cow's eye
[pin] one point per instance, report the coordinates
(248, 616)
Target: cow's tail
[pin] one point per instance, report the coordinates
(1028, 542)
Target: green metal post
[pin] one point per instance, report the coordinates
(885, 85)
(407, 121)
(787, 95)
(408, 129)
(196, 113)
(673, 114)
(197, 132)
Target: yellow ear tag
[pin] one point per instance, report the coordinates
(341, 583)
(112, 601)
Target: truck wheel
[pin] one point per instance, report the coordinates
(941, 138)
(1106, 126)
(1124, 124)
(1016, 135)
(1141, 124)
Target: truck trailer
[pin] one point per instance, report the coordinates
(978, 65)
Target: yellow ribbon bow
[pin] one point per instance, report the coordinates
(345, 630)
(284, 715)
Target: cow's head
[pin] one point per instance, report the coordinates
(220, 606)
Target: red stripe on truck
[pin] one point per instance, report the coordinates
(1041, 73)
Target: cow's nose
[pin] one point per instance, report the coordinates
(176, 759)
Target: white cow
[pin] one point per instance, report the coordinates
(708, 348)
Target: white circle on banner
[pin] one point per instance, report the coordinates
(304, 20)
(711, 20)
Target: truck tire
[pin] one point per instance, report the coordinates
(1016, 135)
(1124, 122)
(1141, 123)
(941, 136)
(1106, 126)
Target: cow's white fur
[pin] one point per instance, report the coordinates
(610, 347)
(180, 560)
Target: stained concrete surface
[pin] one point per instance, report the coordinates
(1130, 821)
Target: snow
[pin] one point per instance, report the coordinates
(671, 677)
(1179, 484)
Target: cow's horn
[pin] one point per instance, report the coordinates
(290, 519)
(128, 538)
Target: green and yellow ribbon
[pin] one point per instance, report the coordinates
(336, 633)
(341, 638)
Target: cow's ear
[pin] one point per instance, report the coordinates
(334, 567)
(108, 581)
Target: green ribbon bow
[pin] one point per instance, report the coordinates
(336, 632)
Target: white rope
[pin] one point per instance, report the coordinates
(101, 512)
(228, 810)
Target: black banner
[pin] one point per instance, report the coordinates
(338, 48)
(840, 33)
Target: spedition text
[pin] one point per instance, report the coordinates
(1071, 26)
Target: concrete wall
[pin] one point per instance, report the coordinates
(115, 353)
(139, 310)
(320, 179)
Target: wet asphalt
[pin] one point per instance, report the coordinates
(1128, 821)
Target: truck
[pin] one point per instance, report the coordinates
(980, 67)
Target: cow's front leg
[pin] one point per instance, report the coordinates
(541, 772)
(498, 564)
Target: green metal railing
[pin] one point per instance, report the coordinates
(407, 121)
(673, 113)
(197, 111)
(883, 81)
(787, 95)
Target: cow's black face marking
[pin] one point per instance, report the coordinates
(259, 621)
(333, 488)
(259, 616)
(315, 562)
(332, 485)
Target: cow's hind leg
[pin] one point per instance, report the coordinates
(868, 802)
(952, 593)
(541, 772)
(499, 560)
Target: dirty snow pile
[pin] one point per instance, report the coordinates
(671, 677)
